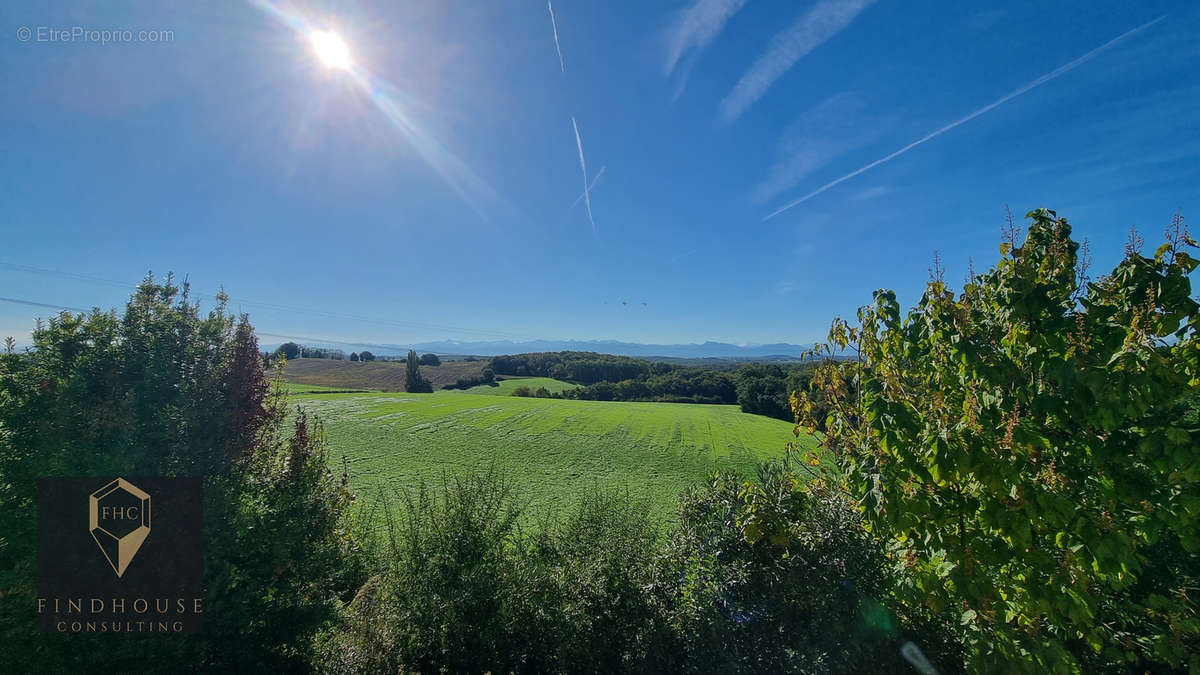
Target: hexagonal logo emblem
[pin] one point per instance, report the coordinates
(148, 574)
(119, 520)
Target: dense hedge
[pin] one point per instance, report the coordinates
(760, 575)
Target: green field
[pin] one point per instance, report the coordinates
(506, 387)
(373, 375)
(297, 388)
(552, 450)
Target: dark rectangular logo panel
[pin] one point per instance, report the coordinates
(120, 554)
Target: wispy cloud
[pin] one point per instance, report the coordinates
(681, 80)
(786, 287)
(874, 192)
(825, 131)
(697, 26)
(826, 19)
(590, 187)
(587, 198)
(557, 47)
(1057, 72)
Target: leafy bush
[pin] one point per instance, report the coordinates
(777, 575)
(761, 576)
(1026, 447)
(430, 360)
(163, 390)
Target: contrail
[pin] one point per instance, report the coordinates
(1061, 70)
(587, 199)
(826, 19)
(557, 48)
(595, 179)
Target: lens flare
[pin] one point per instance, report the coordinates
(330, 48)
(395, 105)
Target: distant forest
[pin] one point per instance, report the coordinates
(759, 388)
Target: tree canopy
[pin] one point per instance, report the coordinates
(414, 382)
(1026, 449)
(289, 350)
(166, 390)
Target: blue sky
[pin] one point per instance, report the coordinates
(431, 191)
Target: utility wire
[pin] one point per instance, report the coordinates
(289, 336)
(288, 308)
(42, 304)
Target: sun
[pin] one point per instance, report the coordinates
(330, 49)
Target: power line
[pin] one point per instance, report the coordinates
(327, 340)
(288, 336)
(42, 304)
(267, 305)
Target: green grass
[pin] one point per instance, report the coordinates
(297, 388)
(552, 450)
(506, 387)
(373, 375)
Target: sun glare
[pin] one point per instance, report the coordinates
(330, 48)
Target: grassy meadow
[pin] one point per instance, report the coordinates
(297, 388)
(374, 375)
(552, 450)
(509, 384)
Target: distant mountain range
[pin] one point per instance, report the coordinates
(703, 350)
(709, 349)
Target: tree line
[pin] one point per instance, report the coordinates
(291, 351)
(758, 388)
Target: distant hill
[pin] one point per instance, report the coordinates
(378, 375)
(706, 350)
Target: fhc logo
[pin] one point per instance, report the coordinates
(120, 554)
(119, 518)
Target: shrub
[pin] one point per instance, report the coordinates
(1026, 447)
(776, 575)
(760, 576)
(463, 588)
